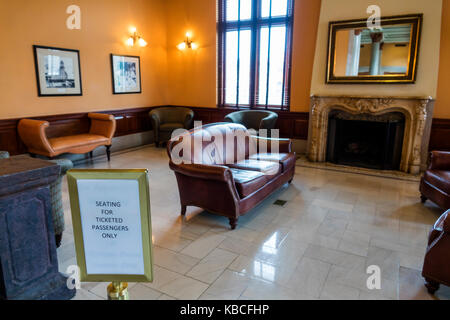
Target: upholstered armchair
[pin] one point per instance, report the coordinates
(435, 184)
(56, 196)
(436, 267)
(254, 119)
(166, 120)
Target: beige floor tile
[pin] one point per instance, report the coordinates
(212, 266)
(141, 292)
(309, 277)
(201, 247)
(229, 286)
(173, 261)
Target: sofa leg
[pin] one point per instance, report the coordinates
(233, 223)
(58, 238)
(423, 199)
(183, 210)
(290, 181)
(108, 153)
(431, 285)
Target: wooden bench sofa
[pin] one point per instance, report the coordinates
(102, 129)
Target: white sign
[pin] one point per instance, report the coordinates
(111, 223)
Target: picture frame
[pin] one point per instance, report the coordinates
(126, 74)
(128, 257)
(395, 37)
(58, 71)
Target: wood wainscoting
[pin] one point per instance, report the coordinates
(292, 125)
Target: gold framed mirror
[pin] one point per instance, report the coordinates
(389, 54)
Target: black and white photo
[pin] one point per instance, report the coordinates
(57, 71)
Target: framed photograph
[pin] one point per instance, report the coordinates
(57, 71)
(111, 224)
(126, 74)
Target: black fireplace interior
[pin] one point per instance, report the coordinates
(365, 140)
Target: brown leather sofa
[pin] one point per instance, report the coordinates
(102, 129)
(436, 267)
(435, 184)
(228, 177)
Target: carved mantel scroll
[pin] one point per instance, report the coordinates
(418, 115)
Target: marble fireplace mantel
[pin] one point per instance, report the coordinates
(418, 113)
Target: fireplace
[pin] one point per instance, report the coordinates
(391, 119)
(366, 140)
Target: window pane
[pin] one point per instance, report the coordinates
(231, 67)
(246, 9)
(233, 10)
(279, 8)
(231, 58)
(244, 66)
(276, 66)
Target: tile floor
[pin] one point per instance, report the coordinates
(317, 246)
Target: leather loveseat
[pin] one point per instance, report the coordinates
(224, 170)
(435, 184)
(102, 130)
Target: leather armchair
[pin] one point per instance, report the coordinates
(254, 119)
(166, 120)
(33, 134)
(56, 196)
(436, 268)
(435, 184)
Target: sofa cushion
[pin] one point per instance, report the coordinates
(268, 168)
(286, 159)
(248, 182)
(80, 140)
(170, 126)
(439, 179)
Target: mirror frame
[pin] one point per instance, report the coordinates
(415, 19)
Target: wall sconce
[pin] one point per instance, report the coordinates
(188, 43)
(135, 38)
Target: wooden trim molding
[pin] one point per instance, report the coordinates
(292, 125)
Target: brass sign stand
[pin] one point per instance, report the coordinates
(118, 291)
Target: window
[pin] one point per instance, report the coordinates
(254, 53)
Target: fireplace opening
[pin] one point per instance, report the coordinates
(365, 140)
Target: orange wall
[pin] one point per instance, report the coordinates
(105, 25)
(192, 74)
(442, 107)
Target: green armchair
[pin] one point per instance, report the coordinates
(254, 119)
(56, 196)
(166, 120)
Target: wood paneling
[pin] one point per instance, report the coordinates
(129, 121)
(440, 135)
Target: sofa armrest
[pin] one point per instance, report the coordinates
(32, 133)
(440, 160)
(102, 125)
(208, 172)
(269, 122)
(285, 145)
(188, 120)
(444, 222)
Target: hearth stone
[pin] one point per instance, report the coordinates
(28, 258)
(418, 114)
